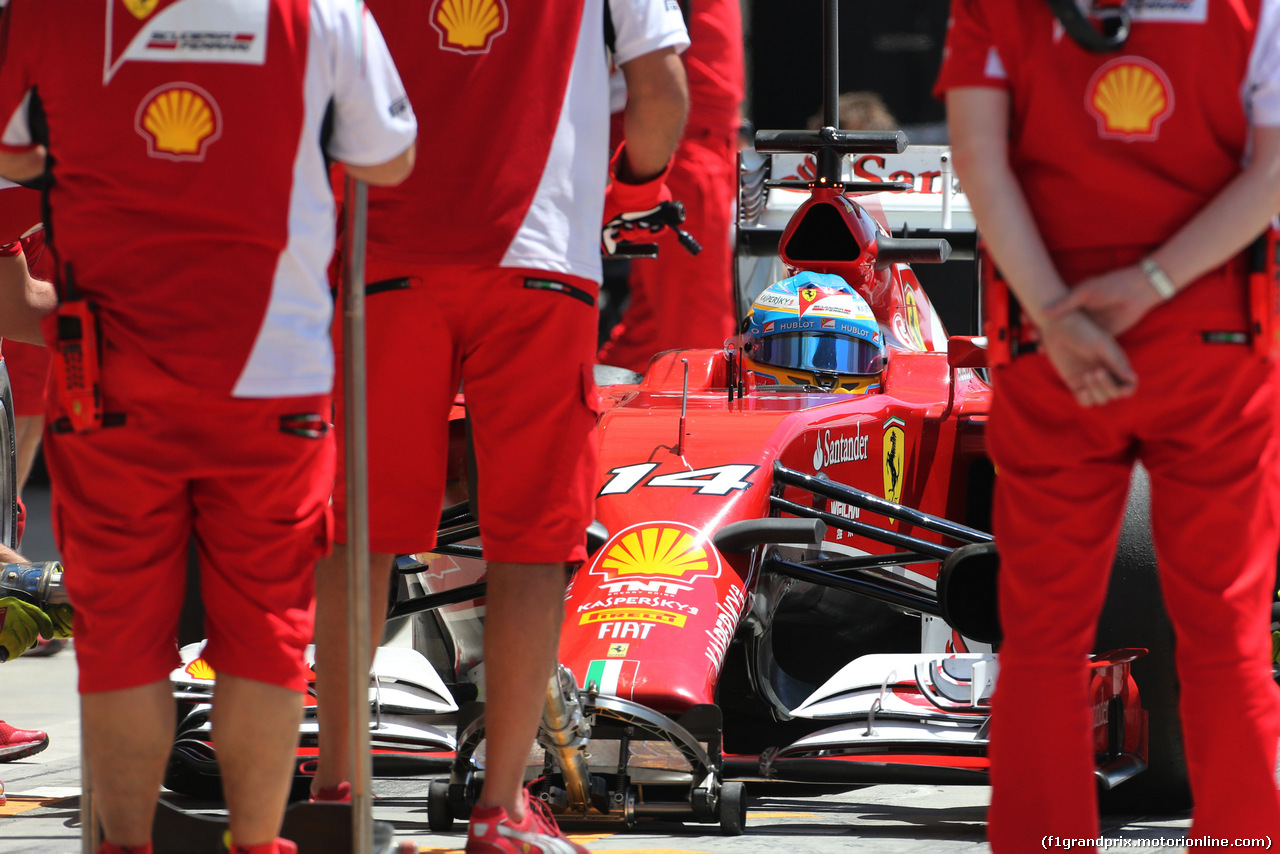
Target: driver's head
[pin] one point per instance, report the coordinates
(814, 329)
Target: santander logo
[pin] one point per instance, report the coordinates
(842, 449)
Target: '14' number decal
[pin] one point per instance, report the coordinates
(716, 480)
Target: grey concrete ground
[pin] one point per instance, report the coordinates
(42, 814)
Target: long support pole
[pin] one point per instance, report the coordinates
(90, 832)
(357, 587)
(830, 161)
(831, 64)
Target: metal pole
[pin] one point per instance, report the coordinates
(90, 833)
(357, 587)
(831, 64)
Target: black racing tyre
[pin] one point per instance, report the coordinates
(733, 809)
(439, 814)
(1134, 616)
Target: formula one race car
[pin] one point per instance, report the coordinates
(790, 580)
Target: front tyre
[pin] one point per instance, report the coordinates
(733, 808)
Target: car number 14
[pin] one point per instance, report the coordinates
(716, 480)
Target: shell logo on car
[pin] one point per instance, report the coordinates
(1130, 97)
(658, 550)
(179, 122)
(469, 26)
(200, 669)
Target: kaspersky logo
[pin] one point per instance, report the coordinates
(179, 121)
(1130, 97)
(657, 551)
(469, 26)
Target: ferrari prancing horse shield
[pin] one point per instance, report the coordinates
(895, 447)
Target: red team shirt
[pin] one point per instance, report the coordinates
(531, 170)
(147, 100)
(1142, 124)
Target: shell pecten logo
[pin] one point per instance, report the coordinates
(656, 551)
(179, 121)
(200, 669)
(1130, 97)
(469, 26)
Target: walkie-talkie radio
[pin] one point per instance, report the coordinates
(77, 364)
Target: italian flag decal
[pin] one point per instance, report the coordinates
(614, 677)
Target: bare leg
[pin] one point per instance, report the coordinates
(127, 738)
(524, 606)
(334, 764)
(255, 730)
(26, 436)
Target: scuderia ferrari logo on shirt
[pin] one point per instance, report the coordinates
(184, 31)
(1130, 97)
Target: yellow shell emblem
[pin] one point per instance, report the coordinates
(1130, 98)
(179, 122)
(656, 551)
(469, 26)
(140, 9)
(200, 669)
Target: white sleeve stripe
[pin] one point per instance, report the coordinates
(17, 133)
(1261, 91)
(643, 26)
(679, 41)
(373, 120)
(995, 67)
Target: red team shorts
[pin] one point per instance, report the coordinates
(250, 478)
(521, 344)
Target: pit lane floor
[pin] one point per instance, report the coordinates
(42, 814)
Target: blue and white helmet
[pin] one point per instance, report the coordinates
(816, 329)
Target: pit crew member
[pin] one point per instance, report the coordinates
(680, 299)
(1117, 191)
(483, 269)
(191, 222)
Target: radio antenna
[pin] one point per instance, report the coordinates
(684, 409)
(829, 160)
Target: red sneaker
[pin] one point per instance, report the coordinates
(17, 743)
(493, 832)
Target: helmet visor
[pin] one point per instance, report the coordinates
(819, 351)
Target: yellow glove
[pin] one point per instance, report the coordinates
(61, 617)
(20, 624)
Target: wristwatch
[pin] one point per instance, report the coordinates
(1158, 278)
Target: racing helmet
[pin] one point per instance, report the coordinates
(813, 329)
